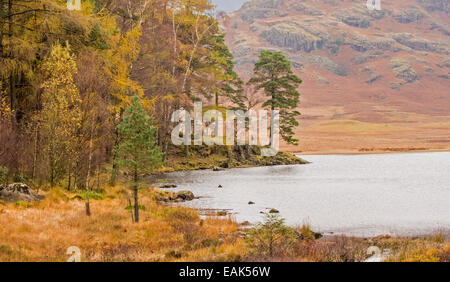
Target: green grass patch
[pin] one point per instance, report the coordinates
(89, 194)
(23, 204)
(131, 207)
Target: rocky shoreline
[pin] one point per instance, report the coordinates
(218, 158)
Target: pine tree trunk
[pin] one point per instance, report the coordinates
(136, 200)
(230, 157)
(272, 118)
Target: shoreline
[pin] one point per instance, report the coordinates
(245, 224)
(420, 234)
(368, 152)
(219, 161)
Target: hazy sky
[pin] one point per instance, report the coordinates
(228, 5)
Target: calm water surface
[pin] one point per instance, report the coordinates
(362, 195)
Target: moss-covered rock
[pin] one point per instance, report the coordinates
(181, 196)
(291, 35)
(403, 70)
(18, 192)
(353, 18)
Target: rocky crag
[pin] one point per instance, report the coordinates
(356, 64)
(321, 33)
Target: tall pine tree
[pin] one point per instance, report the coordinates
(137, 150)
(273, 74)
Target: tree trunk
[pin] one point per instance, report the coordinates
(12, 97)
(12, 82)
(136, 199)
(187, 151)
(88, 208)
(115, 168)
(36, 132)
(230, 156)
(1, 27)
(271, 124)
(166, 149)
(98, 177)
(69, 182)
(75, 177)
(52, 164)
(132, 212)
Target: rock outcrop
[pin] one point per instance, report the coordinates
(403, 70)
(290, 35)
(261, 9)
(353, 19)
(421, 44)
(18, 192)
(329, 42)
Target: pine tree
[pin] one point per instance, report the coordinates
(137, 150)
(222, 66)
(273, 74)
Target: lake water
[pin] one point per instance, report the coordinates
(360, 195)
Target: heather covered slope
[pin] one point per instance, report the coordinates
(373, 80)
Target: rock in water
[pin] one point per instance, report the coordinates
(166, 186)
(185, 195)
(18, 192)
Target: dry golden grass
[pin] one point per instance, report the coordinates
(43, 231)
(351, 127)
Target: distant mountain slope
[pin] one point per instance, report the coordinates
(388, 66)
